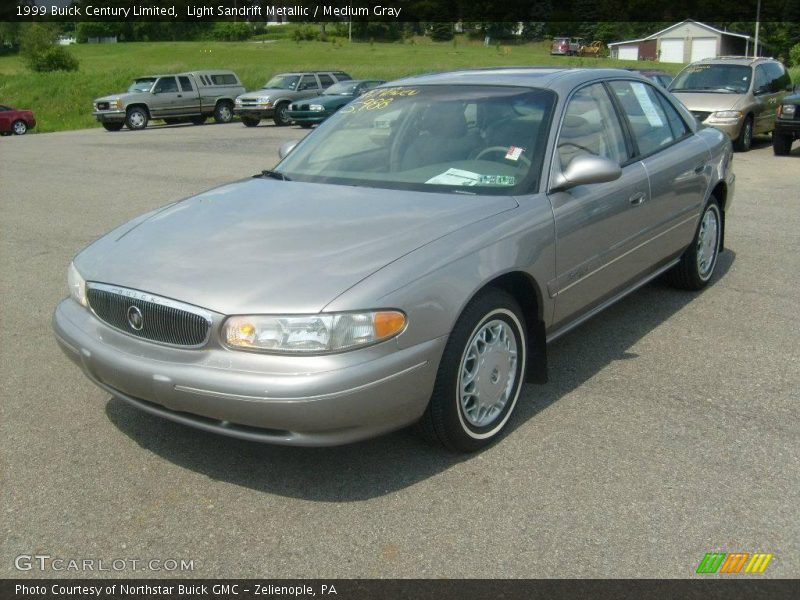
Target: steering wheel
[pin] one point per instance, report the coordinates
(584, 148)
(497, 149)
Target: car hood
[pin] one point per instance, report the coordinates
(329, 101)
(270, 92)
(267, 246)
(120, 96)
(710, 102)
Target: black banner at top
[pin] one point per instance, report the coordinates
(666, 11)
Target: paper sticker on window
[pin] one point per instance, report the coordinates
(514, 152)
(498, 180)
(648, 108)
(455, 177)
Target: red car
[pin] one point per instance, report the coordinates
(15, 121)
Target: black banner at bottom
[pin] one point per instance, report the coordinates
(416, 589)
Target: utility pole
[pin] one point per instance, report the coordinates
(758, 18)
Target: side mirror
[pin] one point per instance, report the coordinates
(762, 89)
(286, 147)
(585, 169)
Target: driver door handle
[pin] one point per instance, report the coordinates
(637, 199)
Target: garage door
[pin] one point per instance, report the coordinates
(672, 50)
(628, 53)
(704, 48)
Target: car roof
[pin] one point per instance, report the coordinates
(733, 60)
(558, 79)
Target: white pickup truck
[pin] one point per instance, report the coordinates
(192, 97)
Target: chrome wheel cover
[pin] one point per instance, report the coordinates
(224, 113)
(488, 373)
(136, 119)
(707, 243)
(20, 128)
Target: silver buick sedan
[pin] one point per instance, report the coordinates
(407, 262)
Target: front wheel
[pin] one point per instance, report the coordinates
(697, 263)
(136, 119)
(745, 139)
(113, 125)
(480, 375)
(19, 127)
(223, 112)
(781, 143)
(281, 117)
(250, 121)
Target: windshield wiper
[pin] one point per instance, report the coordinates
(274, 175)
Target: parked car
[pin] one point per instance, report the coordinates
(787, 124)
(316, 110)
(15, 121)
(192, 97)
(662, 78)
(737, 95)
(273, 99)
(566, 46)
(369, 282)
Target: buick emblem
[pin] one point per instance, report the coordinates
(135, 318)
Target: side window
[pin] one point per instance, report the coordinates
(676, 122)
(186, 84)
(307, 82)
(166, 85)
(779, 77)
(223, 79)
(342, 76)
(591, 126)
(761, 82)
(648, 121)
(325, 80)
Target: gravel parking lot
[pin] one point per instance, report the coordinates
(669, 427)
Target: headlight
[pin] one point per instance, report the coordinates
(306, 334)
(788, 109)
(237, 101)
(76, 285)
(316, 108)
(115, 104)
(725, 115)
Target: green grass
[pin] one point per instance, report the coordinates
(63, 100)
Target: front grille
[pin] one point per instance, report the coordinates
(158, 319)
(102, 106)
(700, 115)
(304, 107)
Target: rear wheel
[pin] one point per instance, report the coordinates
(281, 117)
(697, 263)
(19, 127)
(198, 120)
(223, 112)
(306, 125)
(250, 121)
(136, 119)
(113, 125)
(745, 139)
(781, 143)
(480, 375)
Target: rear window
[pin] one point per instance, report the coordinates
(223, 79)
(722, 79)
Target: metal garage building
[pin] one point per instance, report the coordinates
(684, 42)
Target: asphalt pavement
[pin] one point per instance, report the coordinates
(669, 428)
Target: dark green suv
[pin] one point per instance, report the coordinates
(787, 124)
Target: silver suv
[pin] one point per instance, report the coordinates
(739, 95)
(274, 98)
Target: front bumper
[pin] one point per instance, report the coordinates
(304, 401)
(731, 129)
(302, 116)
(783, 126)
(255, 113)
(104, 116)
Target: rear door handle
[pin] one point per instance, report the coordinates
(637, 199)
(180, 95)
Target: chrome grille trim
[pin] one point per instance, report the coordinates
(166, 321)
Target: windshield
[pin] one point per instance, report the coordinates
(465, 138)
(142, 84)
(282, 82)
(730, 79)
(347, 88)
